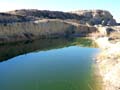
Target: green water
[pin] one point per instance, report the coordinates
(59, 64)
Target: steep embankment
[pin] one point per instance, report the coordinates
(45, 28)
(32, 24)
(109, 59)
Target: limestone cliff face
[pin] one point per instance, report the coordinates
(45, 28)
(95, 17)
(31, 24)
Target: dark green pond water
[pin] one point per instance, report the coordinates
(59, 64)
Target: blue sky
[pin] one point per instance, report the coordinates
(63, 5)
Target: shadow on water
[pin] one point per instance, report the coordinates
(11, 50)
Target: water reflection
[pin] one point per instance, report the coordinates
(11, 50)
(49, 64)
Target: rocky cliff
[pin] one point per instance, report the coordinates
(95, 17)
(31, 24)
(46, 14)
(91, 17)
(45, 28)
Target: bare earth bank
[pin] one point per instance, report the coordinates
(108, 62)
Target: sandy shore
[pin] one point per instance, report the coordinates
(108, 62)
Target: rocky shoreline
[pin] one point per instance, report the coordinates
(108, 62)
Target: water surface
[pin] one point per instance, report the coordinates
(47, 65)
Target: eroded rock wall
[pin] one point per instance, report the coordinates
(45, 28)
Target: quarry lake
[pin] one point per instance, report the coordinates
(50, 64)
